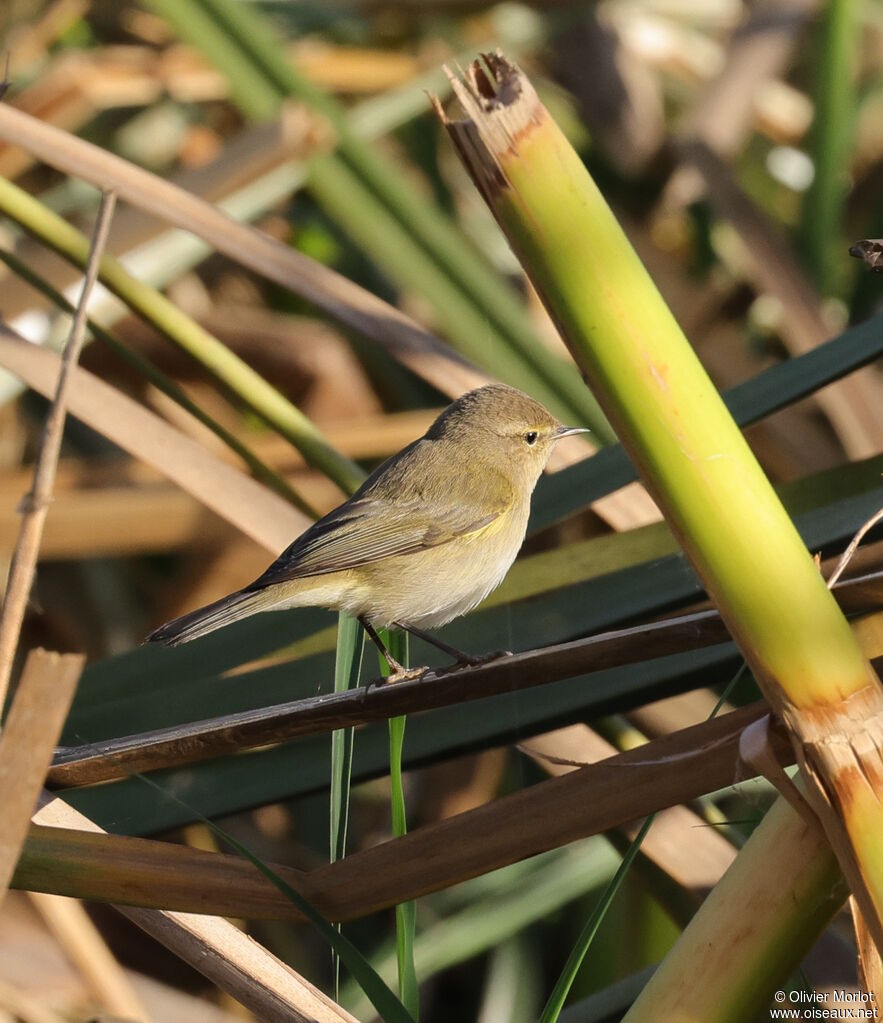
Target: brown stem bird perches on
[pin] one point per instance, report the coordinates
(424, 539)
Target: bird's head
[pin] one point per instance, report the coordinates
(501, 426)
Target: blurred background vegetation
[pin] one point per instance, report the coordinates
(740, 145)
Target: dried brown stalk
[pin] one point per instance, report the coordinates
(34, 721)
(235, 962)
(327, 290)
(251, 507)
(36, 503)
(83, 944)
(229, 733)
(598, 797)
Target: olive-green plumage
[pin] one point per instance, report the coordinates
(425, 538)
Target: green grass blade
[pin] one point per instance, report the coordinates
(834, 98)
(250, 90)
(479, 914)
(574, 961)
(347, 667)
(406, 912)
(556, 381)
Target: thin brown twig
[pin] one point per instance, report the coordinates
(35, 505)
(849, 553)
(242, 730)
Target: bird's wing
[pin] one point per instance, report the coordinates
(367, 529)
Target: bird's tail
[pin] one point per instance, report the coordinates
(212, 616)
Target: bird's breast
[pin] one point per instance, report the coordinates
(434, 586)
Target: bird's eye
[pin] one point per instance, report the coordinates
(531, 437)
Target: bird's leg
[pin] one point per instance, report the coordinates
(459, 655)
(399, 671)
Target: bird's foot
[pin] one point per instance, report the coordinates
(475, 660)
(399, 673)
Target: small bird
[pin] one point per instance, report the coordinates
(427, 536)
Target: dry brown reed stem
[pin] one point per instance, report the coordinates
(396, 333)
(849, 553)
(596, 798)
(679, 844)
(229, 958)
(251, 507)
(34, 721)
(232, 733)
(347, 302)
(35, 505)
(83, 944)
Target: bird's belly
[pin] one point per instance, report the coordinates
(430, 588)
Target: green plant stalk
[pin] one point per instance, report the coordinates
(834, 99)
(445, 248)
(406, 912)
(179, 328)
(776, 898)
(261, 471)
(692, 456)
(347, 668)
(250, 90)
(520, 895)
(672, 421)
(555, 1004)
(351, 205)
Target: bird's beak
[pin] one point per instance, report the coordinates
(569, 431)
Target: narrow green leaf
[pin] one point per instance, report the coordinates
(384, 1001)
(479, 914)
(559, 993)
(834, 100)
(347, 667)
(406, 912)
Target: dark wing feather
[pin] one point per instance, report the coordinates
(367, 529)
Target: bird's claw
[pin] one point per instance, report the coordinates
(475, 660)
(398, 674)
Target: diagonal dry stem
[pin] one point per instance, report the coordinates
(340, 298)
(229, 958)
(36, 503)
(250, 507)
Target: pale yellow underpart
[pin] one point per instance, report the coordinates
(425, 589)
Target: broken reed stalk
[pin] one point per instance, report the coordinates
(35, 506)
(30, 732)
(217, 949)
(693, 457)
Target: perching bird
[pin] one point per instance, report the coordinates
(426, 537)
